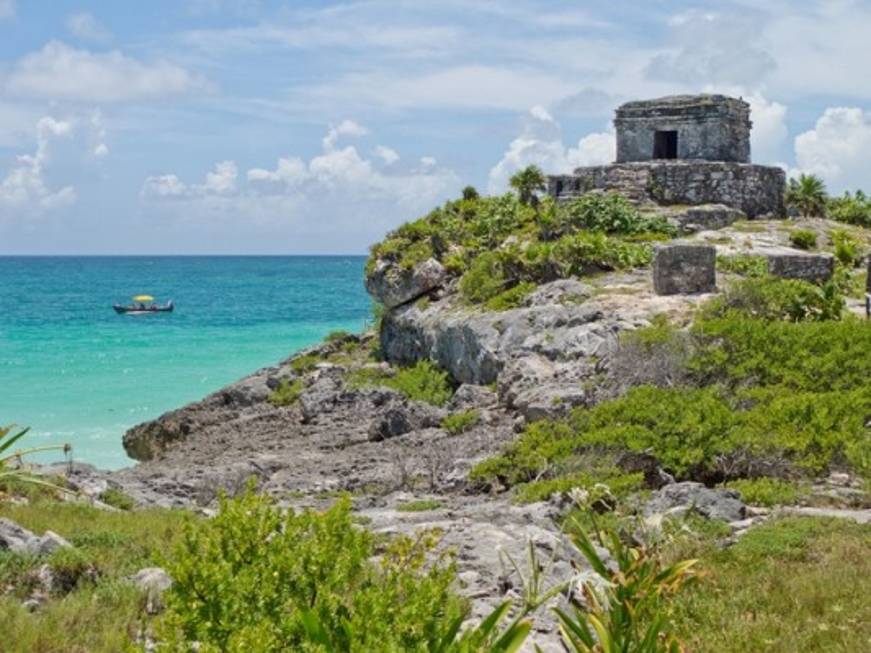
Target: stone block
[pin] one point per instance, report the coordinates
(807, 267)
(707, 217)
(684, 269)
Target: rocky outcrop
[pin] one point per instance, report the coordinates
(18, 539)
(714, 503)
(153, 582)
(706, 217)
(393, 285)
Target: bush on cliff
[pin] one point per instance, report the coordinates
(257, 578)
(423, 381)
(772, 298)
(498, 242)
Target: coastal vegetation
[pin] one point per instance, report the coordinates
(501, 247)
(772, 384)
(422, 381)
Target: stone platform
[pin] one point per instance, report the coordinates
(754, 189)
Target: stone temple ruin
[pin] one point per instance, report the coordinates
(683, 150)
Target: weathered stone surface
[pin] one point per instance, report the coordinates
(154, 581)
(708, 127)
(807, 267)
(472, 396)
(678, 498)
(706, 217)
(404, 418)
(754, 189)
(684, 269)
(393, 285)
(18, 539)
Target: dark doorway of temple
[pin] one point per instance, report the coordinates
(665, 145)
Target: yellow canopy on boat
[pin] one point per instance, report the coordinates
(143, 298)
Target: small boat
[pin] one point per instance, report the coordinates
(142, 305)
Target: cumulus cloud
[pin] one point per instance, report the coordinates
(87, 28)
(339, 186)
(59, 71)
(24, 187)
(838, 148)
(541, 143)
(387, 154)
(344, 128)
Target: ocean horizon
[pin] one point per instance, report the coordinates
(75, 372)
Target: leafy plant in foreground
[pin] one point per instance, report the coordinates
(11, 476)
(807, 195)
(622, 611)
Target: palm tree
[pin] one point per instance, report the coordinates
(527, 183)
(470, 193)
(807, 195)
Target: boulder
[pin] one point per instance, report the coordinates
(806, 267)
(713, 503)
(684, 269)
(404, 418)
(20, 540)
(393, 285)
(154, 581)
(470, 396)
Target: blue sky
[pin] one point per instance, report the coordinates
(246, 126)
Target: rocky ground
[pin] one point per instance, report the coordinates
(391, 453)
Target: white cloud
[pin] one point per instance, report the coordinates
(59, 71)
(222, 179)
(101, 151)
(541, 143)
(24, 188)
(335, 192)
(87, 28)
(163, 186)
(838, 148)
(387, 154)
(710, 46)
(344, 128)
(7, 9)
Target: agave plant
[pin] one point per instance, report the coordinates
(17, 474)
(623, 613)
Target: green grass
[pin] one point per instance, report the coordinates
(287, 393)
(305, 363)
(117, 499)
(457, 423)
(803, 238)
(420, 505)
(794, 584)
(101, 612)
(747, 265)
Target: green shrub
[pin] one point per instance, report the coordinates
(767, 491)
(772, 298)
(511, 298)
(484, 279)
(305, 363)
(334, 336)
(421, 382)
(747, 265)
(851, 209)
(287, 393)
(116, 498)
(807, 195)
(847, 249)
(457, 423)
(259, 578)
(610, 213)
(470, 193)
(803, 238)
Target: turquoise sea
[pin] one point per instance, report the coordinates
(76, 372)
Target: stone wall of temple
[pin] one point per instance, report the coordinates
(754, 189)
(708, 127)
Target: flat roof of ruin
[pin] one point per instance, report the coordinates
(681, 102)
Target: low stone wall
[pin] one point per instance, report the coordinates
(815, 268)
(756, 190)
